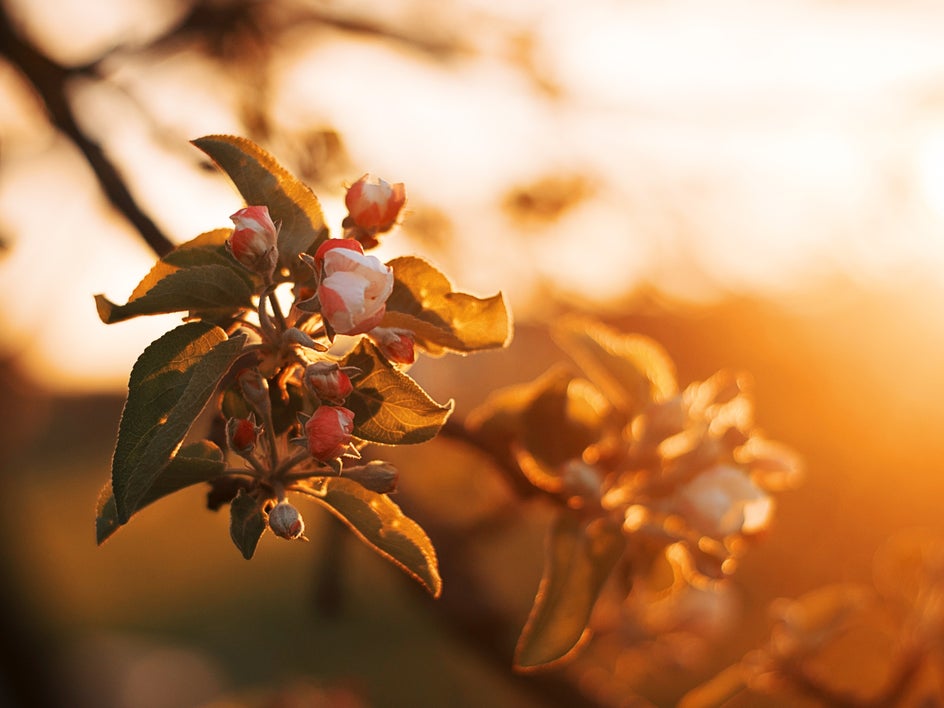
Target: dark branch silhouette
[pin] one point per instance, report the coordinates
(50, 81)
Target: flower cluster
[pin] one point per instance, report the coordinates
(300, 342)
(346, 295)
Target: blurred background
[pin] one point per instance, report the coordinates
(758, 186)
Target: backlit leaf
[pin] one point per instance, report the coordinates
(580, 557)
(262, 181)
(247, 523)
(562, 418)
(380, 524)
(224, 291)
(389, 407)
(170, 384)
(206, 289)
(629, 369)
(423, 301)
(199, 462)
(541, 424)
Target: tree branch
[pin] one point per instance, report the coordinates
(50, 81)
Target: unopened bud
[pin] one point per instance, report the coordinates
(396, 344)
(326, 380)
(256, 392)
(241, 435)
(377, 476)
(285, 521)
(374, 204)
(328, 432)
(254, 240)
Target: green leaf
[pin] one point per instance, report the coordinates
(630, 369)
(580, 557)
(193, 464)
(226, 288)
(205, 289)
(262, 181)
(389, 407)
(247, 522)
(379, 523)
(423, 301)
(170, 384)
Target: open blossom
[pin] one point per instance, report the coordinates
(374, 204)
(724, 500)
(354, 287)
(254, 240)
(328, 432)
(396, 344)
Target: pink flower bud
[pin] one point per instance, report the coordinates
(354, 287)
(285, 521)
(396, 344)
(241, 435)
(255, 390)
(377, 476)
(326, 380)
(254, 240)
(329, 431)
(374, 204)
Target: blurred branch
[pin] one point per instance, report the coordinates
(50, 81)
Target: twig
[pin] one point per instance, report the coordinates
(50, 80)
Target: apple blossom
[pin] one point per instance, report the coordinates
(328, 432)
(254, 240)
(374, 204)
(354, 287)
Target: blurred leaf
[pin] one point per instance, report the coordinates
(170, 384)
(717, 690)
(199, 462)
(247, 523)
(423, 301)
(380, 524)
(630, 370)
(561, 420)
(544, 423)
(213, 289)
(262, 181)
(580, 557)
(389, 407)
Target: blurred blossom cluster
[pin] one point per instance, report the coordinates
(877, 644)
(658, 489)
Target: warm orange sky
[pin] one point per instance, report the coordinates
(728, 147)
